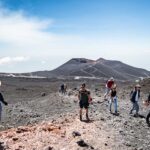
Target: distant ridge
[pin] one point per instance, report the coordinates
(100, 68)
(87, 68)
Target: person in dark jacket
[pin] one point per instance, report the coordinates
(84, 96)
(148, 98)
(135, 99)
(1, 101)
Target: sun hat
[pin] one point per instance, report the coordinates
(138, 86)
(112, 79)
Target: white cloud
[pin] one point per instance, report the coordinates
(17, 29)
(43, 62)
(31, 36)
(21, 35)
(11, 60)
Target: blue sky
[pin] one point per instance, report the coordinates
(43, 34)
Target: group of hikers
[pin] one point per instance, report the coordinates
(111, 96)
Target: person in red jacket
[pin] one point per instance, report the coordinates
(109, 85)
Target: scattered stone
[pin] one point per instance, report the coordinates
(132, 131)
(125, 123)
(75, 101)
(21, 110)
(140, 148)
(43, 94)
(75, 133)
(81, 143)
(21, 89)
(102, 119)
(2, 127)
(91, 147)
(128, 144)
(48, 148)
(15, 139)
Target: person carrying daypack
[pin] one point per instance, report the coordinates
(113, 98)
(2, 101)
(62, 89)
(108, 86)
(84, 98)
(135, 96)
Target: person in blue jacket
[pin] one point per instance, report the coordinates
(135, 99)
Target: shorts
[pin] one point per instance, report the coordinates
(83, 105)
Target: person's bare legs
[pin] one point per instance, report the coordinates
(87, 116)
(81, 114)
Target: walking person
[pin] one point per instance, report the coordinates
(65, 89)
(147, 102)
(108, 86)
(113, 99)
(1, 101)
(84, 97)
(135, 99)
(62, 89)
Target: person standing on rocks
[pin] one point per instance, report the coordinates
(109, 85)
(62, 89)
(113, 98)
(2, 101)
(135, 99)
(84, 97)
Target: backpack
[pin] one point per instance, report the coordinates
(132, 97)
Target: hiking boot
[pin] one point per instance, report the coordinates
(130, 112)
(136, 115)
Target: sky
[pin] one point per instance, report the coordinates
(43, 34)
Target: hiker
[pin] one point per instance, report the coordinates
(84, 98)
(148, 98)
(134, 99)
(147, 103)
(113, 98)
(62, 89)
(109, 85)
(2, 101)
(65, 89)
